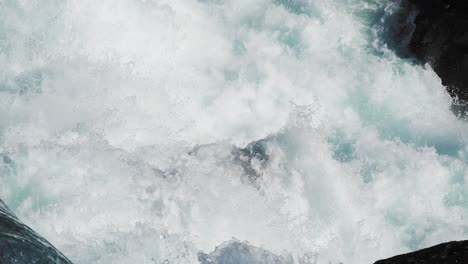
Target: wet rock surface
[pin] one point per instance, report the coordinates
(237, 252)
(19, 244)
(446, 253)
(441, 39)
(438, 35)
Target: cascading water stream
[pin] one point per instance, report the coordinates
(146, 131)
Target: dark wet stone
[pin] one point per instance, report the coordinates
(399, 28)
(438, 35)
(446, 253)
(441, 39)
(253, 152)
(235, 252)
(252, 159)
(19, 244)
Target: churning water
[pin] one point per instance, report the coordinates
(147, 131)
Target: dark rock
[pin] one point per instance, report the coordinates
(246, 157)
(251, 159)
(447, 253)
(235, 252)
(441, 39)
(19, 244)
(399, 28)
(438, 36)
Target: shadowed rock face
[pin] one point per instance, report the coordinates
(21, 245)
(447, 253)
(439, 36)
(441, 39)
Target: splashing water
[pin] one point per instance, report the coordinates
(124, 126)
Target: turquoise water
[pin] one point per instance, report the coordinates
(102, 104)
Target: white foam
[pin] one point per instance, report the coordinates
(101, 103)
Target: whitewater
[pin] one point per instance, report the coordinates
(148, 131)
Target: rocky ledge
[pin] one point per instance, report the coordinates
(19, 244)
(438, 35)
(446, 253)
